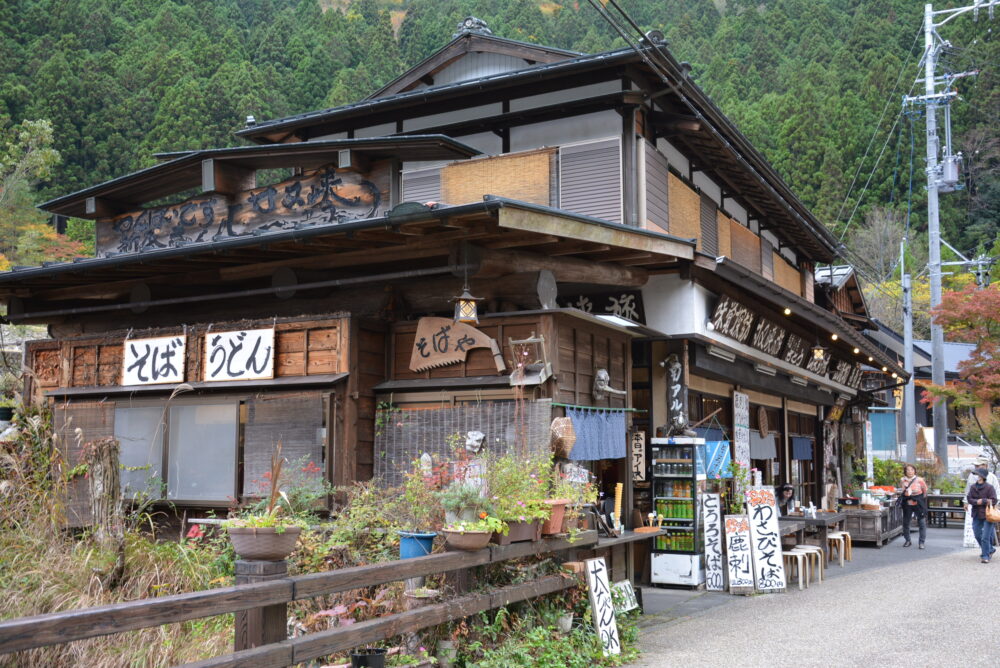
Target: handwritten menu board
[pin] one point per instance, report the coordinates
(739, 561)
(711, 509)
(603, 606)
(153, 361)
(765, 545)
(242, 355)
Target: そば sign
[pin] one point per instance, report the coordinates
(153, 361)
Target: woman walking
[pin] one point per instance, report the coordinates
(914, 500)
(980, 497)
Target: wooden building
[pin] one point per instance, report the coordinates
(607, 218)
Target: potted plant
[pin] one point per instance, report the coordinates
(473, 535)
(420, 513)
(518, 489)
(368, 657)
(463, 502)
(266, 532)
(578, 495)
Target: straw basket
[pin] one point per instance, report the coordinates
(870, 506)
(562, 436)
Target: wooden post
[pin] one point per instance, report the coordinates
(266, 625)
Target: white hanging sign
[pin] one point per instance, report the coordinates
(741, 428)
(153, 361)
(603, 606)
(638, 456)
(246, 354)
(765, 540)
(711, 513)
(625, 596)
(739, 561)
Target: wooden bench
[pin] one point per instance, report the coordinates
(937, 516)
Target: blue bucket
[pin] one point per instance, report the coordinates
(415, 543)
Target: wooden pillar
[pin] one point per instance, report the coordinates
(266, 625)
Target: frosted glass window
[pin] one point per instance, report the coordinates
(139, 431)
(201, 458)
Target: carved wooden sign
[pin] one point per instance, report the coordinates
(623, 303)
(840, 372)
(239, 355)
(442, 341)
(818, 365)
(732, 319)
(637, 447)
(323, 196)
(768, 337)
(763, 428)
(153, 361)
(795, 350)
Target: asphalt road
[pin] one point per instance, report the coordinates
(890, 607)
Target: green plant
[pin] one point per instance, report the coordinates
(459, 496)
(484, 523)
(518, 487)
(273, 511)
(419, 508)
(740, 481)
(887, 471)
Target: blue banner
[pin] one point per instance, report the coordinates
(718, 458)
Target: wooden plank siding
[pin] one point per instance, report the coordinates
(745, 246)
(584, 348)
(786, 275)
(368, 370)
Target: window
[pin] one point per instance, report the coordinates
(199, 461)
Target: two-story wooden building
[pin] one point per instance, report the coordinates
(301, 289)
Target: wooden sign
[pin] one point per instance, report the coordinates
(711, 514)
(323, 196)
(732, 319)
(240, 355)
(739, 562)
(603, 606)
(795, 350)
(677, 412)
(818, 365)
(624, 596)
(153, 361)
(836, 412)
(637, 454)
(768, 337)
(840, 372)
(765, 540)
(763, 428)
(622, 303)
(442, 341)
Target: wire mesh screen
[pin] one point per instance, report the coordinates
(401, 436)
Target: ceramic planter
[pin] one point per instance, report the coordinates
(519, 532)
(264, 543)
(565, 623)
(368, 658)
(557, 510)
(467, 540)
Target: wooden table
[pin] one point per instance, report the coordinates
(795, 526)
(823, 522)
(947, 504)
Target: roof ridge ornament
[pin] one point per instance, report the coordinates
(470, 24)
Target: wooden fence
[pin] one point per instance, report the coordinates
(264, 605)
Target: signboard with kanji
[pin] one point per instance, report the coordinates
(153, 361)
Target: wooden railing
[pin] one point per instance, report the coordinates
(266, 601)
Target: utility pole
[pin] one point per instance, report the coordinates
(941, 177)
(909, 398)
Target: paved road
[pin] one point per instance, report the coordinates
(890, 607)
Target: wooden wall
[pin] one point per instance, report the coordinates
(582, 349)
(685, 210)
(786, 275)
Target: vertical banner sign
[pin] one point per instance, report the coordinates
(603, 606)
(738, 560)
(741, 428)
(243, 355)
(869, 464)
(765, 540)
(712, 518)
(677, 412)
(637, 453)
(153, 361)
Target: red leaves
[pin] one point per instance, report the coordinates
(971, 316)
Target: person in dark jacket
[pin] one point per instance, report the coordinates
(980, 497)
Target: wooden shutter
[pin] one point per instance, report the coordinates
(766, 259)
(590, 179)
(746, 247)
(709, 227)
(657, 203)
(422, 185)
(94, 420)
(295, 419)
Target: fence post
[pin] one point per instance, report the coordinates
(265, 625)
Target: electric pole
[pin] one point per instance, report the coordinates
(941, 177)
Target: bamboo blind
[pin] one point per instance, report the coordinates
(725, 244)
(685, 210)
(522, 176)
(745, 246)
(786, 275)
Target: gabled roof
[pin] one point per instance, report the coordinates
(184, 171)
(843, 278)
(463, 44)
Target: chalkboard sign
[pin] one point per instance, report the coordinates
(769, 568)
(711, 509)
(739, 561)
(603, 606)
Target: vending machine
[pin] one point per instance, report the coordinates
(677, 471)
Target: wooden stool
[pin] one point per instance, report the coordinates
(814, 552)
(848, 543)
(801, 563)
(837, 542)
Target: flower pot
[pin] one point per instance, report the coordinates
(467, 540)
(373, 657)
(557, 510)
(415, 543)
(6, 413)
(519, 532)
(446, 653)
(565, 623)
(418, 598)
(264, 543)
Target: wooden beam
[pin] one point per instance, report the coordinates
(576, 249)
(496, 263)
(511, 240)
(225, 178)
(100, 207)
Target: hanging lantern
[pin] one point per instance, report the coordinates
(819, 352)
(465, 307)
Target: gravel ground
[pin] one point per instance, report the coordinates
(913, 613)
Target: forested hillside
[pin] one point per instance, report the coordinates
(806, 80)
